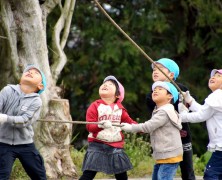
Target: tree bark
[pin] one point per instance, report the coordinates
(22, 42)
(54, 138)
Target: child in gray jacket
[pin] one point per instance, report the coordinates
(164, 129)
(20, 107)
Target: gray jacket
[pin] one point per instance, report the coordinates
(22, 111)
(164, 128)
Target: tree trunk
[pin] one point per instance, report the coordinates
(54, 138)
(22, 42)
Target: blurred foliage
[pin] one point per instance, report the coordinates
(186, 31)
(200, 163)
(138, 148)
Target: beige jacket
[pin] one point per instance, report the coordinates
(164, 129)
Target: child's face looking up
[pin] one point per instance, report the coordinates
(215, 82)
(108, 90)
(161, 96)
(157, 75)
(33, 78)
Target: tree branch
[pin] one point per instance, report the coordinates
(48, 6)
(7, 23)
(63, 23)
(66, 31)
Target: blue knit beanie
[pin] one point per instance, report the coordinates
(169, 87)
(42, 74)
(170, 65)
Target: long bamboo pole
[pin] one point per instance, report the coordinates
(135, 44)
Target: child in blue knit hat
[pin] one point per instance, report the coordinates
(20, 107)
(164, 129)
(172, 70)
(41, 86)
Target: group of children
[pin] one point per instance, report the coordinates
(168, 126)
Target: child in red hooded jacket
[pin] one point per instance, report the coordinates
(105, 151)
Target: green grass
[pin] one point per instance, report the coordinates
(18, 172)
(139, 151)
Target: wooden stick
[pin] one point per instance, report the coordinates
(137, 46)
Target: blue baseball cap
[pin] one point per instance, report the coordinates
(169, 87)
(42, 74)
(170, 65)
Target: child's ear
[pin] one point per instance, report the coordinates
(40, 86)
(170, 97)
(171, 75)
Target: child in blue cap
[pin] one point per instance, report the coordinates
(20, 107)
(171, 69)
(164, 129)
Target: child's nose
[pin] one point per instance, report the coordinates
(156, 71)
(154, 90)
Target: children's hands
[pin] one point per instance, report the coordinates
(126, 127)
(183, 133)
(105, 124)
(187, 97)
(3, 118)
(182, 108)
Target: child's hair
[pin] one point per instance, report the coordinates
(172, 100)
(117, 93)
(170, 65)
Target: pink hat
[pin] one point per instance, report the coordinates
(214, 71)
(121, 88)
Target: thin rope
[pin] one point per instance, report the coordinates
(133, 42)
(75, 122)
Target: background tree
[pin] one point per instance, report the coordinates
(23, 41)
(186, 31)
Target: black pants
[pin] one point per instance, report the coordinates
(89, 175)
(186, 166)
(29, 157)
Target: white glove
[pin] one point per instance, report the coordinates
(105, 124)
(126, 127)
(187, 97)
(3, 118)
(182, 108)
(181, 97)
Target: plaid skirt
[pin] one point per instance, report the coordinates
(107, 159)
